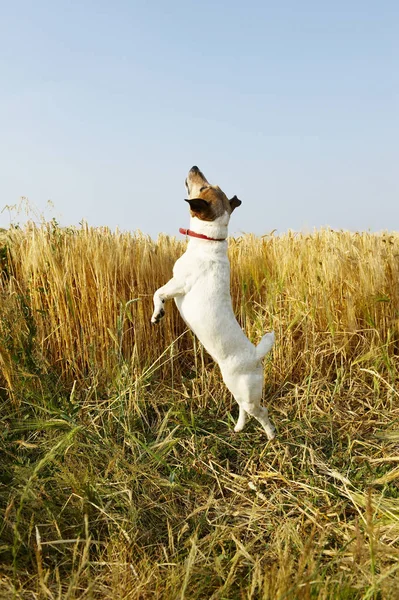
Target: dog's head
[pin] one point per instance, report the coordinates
(207, 202)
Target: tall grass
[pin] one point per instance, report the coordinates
(121, 477)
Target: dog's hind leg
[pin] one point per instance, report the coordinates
(242, 419)
(247, 390)
(261, 414)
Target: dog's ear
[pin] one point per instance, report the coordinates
(199, 207)
(234, 202)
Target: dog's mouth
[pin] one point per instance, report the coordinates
(196, 171)
(196, 181)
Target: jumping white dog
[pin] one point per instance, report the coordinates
(201, 288)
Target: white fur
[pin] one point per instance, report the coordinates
(201, 289)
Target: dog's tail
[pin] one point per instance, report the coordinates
(265, 345)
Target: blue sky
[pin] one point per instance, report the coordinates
(293, 106)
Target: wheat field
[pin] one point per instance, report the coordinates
(121, 476)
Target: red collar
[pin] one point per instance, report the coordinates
(199, 235)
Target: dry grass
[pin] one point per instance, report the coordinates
(121, 476)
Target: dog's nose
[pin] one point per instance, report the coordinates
(194, 169)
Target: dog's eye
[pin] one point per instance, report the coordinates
(203, 188)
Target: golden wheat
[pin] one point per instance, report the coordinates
(331, 297)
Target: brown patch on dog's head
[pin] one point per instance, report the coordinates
(207, 202)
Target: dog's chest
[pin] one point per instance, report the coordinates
(207, 280)
(198, 270)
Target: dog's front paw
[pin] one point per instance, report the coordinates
(159, 311)
(157, 316)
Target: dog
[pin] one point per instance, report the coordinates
(200, 287)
